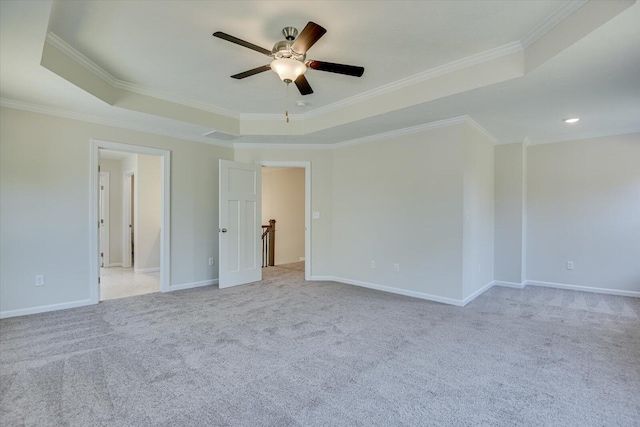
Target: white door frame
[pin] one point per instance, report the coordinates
(307, 205)
(126, 217)
(165, 220)
(104, 221)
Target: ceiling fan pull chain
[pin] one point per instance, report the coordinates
(286, 107)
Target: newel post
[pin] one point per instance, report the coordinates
(272, 242)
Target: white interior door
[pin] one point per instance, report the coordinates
(240, 227)
(104, 219)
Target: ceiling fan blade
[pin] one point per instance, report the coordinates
(303, 85)
(251, 72)
(227, 37)
(349, 70)
(308, 37)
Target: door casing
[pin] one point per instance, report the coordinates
(307, 205)
(165, 217)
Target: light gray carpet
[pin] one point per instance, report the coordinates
(285, 353)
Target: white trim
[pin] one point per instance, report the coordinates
(370, 138)
(45, 308)
(147, 270)
(281, 146)
(548, 24)
(480, 129)
(322, 279)
(105, 228)
(307, 204)
(405, 292)
(127, 224)
(99, 72)
(505, 141)
(193, 285)
(165, 216)
(66, 114)
(114, 264)
(508, 284)
(400, 132)
(451, 67)
(634, 294)
(586, 135)
(477, 293)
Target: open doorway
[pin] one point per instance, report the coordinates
(132, 239)
(129, 224)
(286, 199)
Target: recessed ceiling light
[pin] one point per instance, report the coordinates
(301, 104)
(572, 120)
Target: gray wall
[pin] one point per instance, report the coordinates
(400, 201)
(509, 212)
(583, 205)
(478, 212)
(44, 206)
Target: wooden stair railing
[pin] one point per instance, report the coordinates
(269, 244)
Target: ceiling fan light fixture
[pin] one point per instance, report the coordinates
(572, 120)
(288, 69)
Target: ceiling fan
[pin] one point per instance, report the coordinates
(289, 57)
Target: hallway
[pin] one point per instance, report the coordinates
(119, 282)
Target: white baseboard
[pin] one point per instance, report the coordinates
(301, 258)
(193, 285)
(322, 279)
(44, 308)
(114, 264)
(508, 284)
(633, 294)
(147, 270)
(398, 291)
(477, 293)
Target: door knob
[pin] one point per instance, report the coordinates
(224, 230)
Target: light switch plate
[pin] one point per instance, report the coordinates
(316, 215)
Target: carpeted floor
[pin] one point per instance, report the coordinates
(287, 353)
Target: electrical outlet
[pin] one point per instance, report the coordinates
(212, 261)
(373, 264)
(569, 265)
(396, 267)
(40, 280)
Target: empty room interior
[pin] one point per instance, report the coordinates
(320, 213)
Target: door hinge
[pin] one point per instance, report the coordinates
(101, 254)
(98, 280)
(98, 168)
(102, 187)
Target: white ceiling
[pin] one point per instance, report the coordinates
(166, 48)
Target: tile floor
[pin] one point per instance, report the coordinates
(118, 282)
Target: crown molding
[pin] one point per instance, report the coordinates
(94, 68)
(58, 112)
(514, 47)
(450, 67)
(586, 135)
(548, 24)
(515, 140)
(370, 138)
(401, 132)
(267, 117)
(270, 146)
(79, 58)
(480, 129)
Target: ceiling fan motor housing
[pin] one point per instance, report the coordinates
(282, 49)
